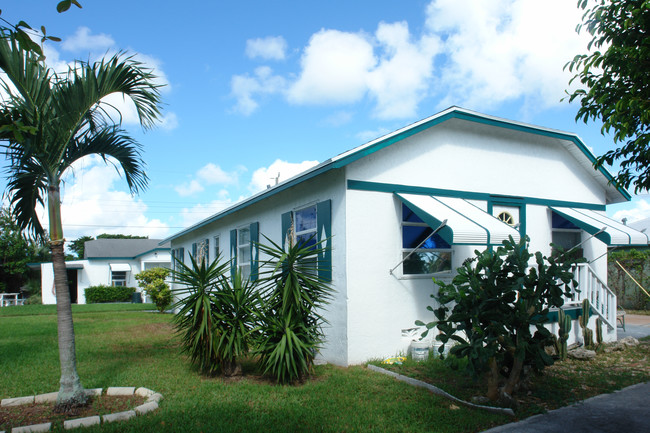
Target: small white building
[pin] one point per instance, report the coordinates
(109, 262)
(487, 177)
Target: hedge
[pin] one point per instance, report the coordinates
(102, 293)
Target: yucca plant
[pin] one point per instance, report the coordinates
(195, 318)
(236, 309)
(291, 321)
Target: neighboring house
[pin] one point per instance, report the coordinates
(489, 178)
(108, 262)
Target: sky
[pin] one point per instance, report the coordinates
(256, 91)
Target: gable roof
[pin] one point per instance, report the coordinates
(572, 143)
(121, 248)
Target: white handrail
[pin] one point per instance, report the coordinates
(592, 287)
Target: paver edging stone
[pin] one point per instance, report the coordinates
(150, 405)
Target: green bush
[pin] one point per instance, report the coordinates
(495, 309)
(154, 284)
(103, 293)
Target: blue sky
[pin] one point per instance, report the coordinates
(257, 88)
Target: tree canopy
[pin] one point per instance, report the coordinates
(615, 84)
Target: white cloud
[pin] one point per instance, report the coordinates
(473, 53)
(93, 203)
(339, 118)
(245, 88)
(83, 40)
(503, 50)
(366, 136)
(169, 121)
(200, 212)
(281, 170)
(401, 80)
(641, 210)
(335, 67)
(269, 48)
(208, 175)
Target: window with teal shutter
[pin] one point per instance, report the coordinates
(233, 252)
(310, 225)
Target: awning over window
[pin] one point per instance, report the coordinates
(120, 267)
(592, 222)
(466, 223)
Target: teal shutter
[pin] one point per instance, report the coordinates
(207, 251)
(233, 253)
(286, 225)
(194, 248)
(255, 250)
(181, 254)
(324, 235)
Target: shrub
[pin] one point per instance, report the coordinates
(152, 281)
(490, 306)
(291, 319)
(102, 293)
(195, 319)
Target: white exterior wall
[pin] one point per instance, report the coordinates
(268, 214)
(372, 308)
(459, 156)
(98, 271)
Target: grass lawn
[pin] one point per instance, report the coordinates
(122, 345)
(117, 346)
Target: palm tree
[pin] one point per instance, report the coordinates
(49, 121)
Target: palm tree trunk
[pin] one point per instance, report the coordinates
(71, 392)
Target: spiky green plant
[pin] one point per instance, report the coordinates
(291, 322)
(236, 309)
(196, 289)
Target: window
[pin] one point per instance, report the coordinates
(432, 257)
(118, 278)
(244, 251)
(305, 226)
(201, 251)
(312, 224)
(178, 254)
(566, 235)
(217, 251)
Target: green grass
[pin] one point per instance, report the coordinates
(39, 310)
(117, 346)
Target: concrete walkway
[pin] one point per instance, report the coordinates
(624, 411)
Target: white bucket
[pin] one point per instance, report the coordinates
(420, 350)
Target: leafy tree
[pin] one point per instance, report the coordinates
(616, 85)
(489, 308)
(66, 121)
(153, 282)
(16, 251)
(23, 32)
(78, 246)
(120, 236)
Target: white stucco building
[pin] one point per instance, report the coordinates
(108, 262)
(487, 177)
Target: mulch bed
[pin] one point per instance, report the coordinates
(29, 414)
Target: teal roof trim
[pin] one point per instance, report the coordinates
(467, 195)
(348, 157)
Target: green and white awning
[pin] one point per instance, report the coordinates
(610, 231)
(467, 224)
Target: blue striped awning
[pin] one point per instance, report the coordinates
(467, 224)
(606, 229)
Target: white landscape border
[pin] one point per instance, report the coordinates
(151, 404)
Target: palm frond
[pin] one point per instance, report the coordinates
(110, 141)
